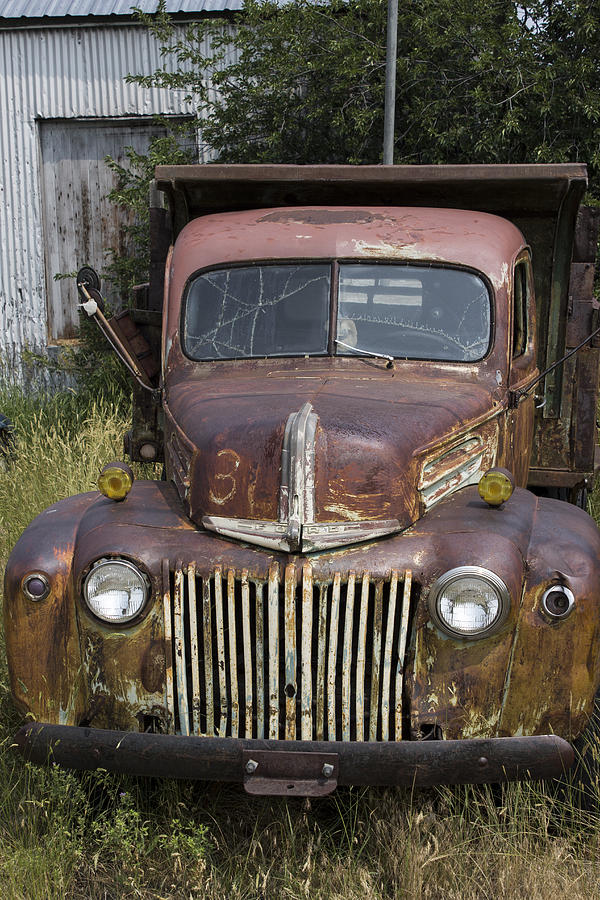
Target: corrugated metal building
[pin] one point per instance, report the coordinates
(65, 105)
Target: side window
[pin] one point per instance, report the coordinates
(521, 305)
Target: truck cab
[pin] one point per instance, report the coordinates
(356, 569)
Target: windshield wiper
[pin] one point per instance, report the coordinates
(390, 359)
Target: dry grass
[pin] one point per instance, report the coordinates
(101, 836)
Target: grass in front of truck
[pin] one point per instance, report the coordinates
(103, 836)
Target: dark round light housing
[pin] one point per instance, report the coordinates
(36, 586)
(148, 451)
(558, 601)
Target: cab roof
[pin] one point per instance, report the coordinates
(458, 237)
(542, 201)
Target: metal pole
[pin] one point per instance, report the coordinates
(390, 83)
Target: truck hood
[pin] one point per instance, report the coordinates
(312, 462)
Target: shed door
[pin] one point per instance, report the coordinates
(80, 223)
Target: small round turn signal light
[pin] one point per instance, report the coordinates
(36, 586)
(496, 486)
(116, 480)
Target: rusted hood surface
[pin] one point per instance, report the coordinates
(370, 435)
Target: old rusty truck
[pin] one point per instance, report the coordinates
(373, 389)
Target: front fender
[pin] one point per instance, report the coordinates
(535, 675)
(42, 640)
(555, 665)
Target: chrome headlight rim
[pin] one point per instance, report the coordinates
(133, 566)
(483, 574)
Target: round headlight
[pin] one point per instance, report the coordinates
(469, 602)
(115, 590)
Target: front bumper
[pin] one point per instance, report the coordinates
(297, 768)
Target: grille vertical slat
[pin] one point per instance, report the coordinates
(196, 701)
(306, 681)
(208, 657)
(169, 688)
(376, 661)
(273, 601)
(247, 652)
(232, 629)
(387, 658)
(180, 652)
(310, 658)
(219, 622)
(361, 658)
(321, 658)
(347, 657)
(291, 686)
(402, 639)
(332, 658)
(259, 602)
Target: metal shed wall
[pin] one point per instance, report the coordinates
(56, 73)
(15, 9)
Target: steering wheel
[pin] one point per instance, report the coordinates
(445, 340)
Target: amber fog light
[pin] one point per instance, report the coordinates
(115, 481)
(36, 586)
(558, 601)
(496, 486)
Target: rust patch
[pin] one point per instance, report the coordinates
(153, 667)
(64, 554)
(324, 217)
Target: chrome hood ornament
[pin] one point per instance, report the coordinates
(296, 531)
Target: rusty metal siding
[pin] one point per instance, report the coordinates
(62, 73)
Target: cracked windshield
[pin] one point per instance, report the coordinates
(409, 312)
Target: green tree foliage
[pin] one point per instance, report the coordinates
(131, 194)
(478, 81)
(304, 83)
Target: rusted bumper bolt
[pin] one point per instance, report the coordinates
(482, 761)
(251, 766)
(327, 770)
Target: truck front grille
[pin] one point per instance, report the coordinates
(291, 660)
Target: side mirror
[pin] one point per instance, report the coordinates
(88, 284)
(88, 279)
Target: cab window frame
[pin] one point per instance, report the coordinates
(522, 311)
(335, 263)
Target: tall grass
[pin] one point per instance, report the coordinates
(60, 445)
(102, 836)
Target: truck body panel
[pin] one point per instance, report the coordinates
(321, 592)
(542, 201)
